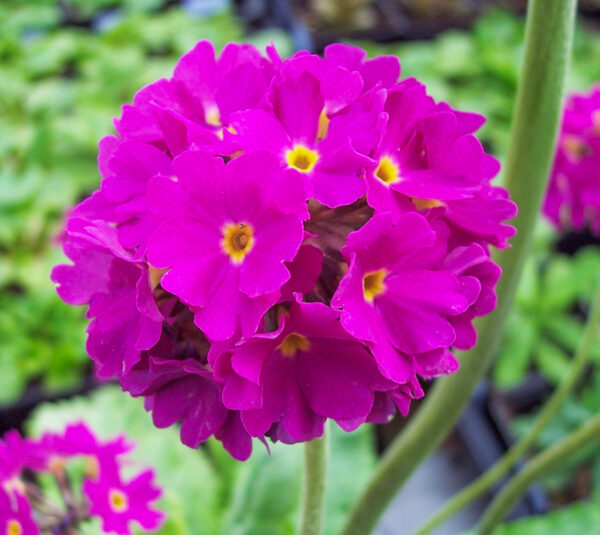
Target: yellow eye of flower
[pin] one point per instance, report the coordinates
(293, 343)
(374, 284)
(301, 158)
(238, 239)
(117, 501)
(387, 171)
(14, 527)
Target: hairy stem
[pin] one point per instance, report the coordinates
(533, 136)
(316, 455)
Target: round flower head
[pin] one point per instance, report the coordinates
(573, 196)
(276, 242)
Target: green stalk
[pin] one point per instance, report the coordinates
(537, 113)
(538, 467)
(316, 453)
(483, 483)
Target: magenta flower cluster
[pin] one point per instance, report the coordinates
(279, 242)
(573, 196)
(102, 491)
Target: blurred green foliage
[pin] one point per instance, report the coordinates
(547, 322)
(580, 407)
(477, 70)
(578, 519)
(222, 495)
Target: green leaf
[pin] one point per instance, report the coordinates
(516, 349)
(578, 519)
(551, 360)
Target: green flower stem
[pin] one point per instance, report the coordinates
(507, 462)
(539, 466)
(316, 453)
(533, 137)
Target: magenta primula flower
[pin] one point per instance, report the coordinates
(107, 496)
(119, 504)
(194, 106)
(17, 454)
(276, 242)
(77, 440)
(307, 370)
(184, 391)
(394, 297)
(573, 196)
(293, 131)
(232, 227)
(117, 288)
(15, 514)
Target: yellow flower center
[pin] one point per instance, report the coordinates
(373, 284)
(426, 204)
(301, 158)
(387, 171)
(238, 239)
(575, 147)
(292, 343)
(117, 501)
(323, 125)
(212, 116)
(14, 527)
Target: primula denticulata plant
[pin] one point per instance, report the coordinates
(275, 243)
(279, 242)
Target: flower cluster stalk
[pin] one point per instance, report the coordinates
(484, 482)
(316, 455)
(539, 466)
(537, 113)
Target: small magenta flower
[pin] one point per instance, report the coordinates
(307, 370)
(117, 288)
(278, 242)
(230, 233)
(573, 196)
(294, 133)
(120, 504)
(394, 297)
(16, 515)
(194, 106)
